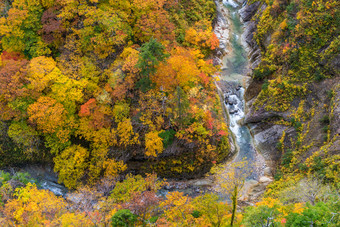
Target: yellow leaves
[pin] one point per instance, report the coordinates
(34, 206)
(71, 165)
(283, 25)
(47, 3)
(41, 72)
(177, 208)
(213, 211)
(201, 35)
(68, 91)
(150, 108)
(192, 37)
(104, 137)
(47, 114)
(130, 57)
(126, 133)
(132, 185)
(24, 136)
(269, 202)
(279, 94)
(153, 144)
(180, 69)
(176, 199)
(231, 176)
(112, 168)
(9, 29)
(121, 111)
(73, 220)
(298, 208)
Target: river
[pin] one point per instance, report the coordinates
(234, 73)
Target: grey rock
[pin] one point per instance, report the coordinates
(203, 183)
(231, 100)
(233, 111)
(267, 172)
(265, 180)
(265, 142)
(247, 12)
(335, 120)
(258, 116)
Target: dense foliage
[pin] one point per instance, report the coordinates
(299, 41)
(90, 85)
(136, 202)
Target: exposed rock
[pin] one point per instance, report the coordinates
(253, 90)
(231, 100)
(247, 36)
(253, 190)
(45, 177)
(268, 172)
(265, 142)
(335, 120)
(335, 64)
(233, 111)
(203, 182)
(247, 12)
(253, 51)
(221, 27)
(265, 180)
(254, 116)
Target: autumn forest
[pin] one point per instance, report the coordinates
(126, 100)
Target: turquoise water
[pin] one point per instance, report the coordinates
(236, 64)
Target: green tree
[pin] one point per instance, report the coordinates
(322, 214)
(151, 53)
(123, 218)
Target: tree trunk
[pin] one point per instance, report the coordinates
(234, 205)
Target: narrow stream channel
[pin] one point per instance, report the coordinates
(234, 72)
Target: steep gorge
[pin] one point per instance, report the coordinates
(293, 137)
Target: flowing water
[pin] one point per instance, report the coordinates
(234, 71)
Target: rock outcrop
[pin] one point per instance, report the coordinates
(263, 123)
(247, 13)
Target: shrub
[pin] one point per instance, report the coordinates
(287, 158)
(168, 137)
(325, 129)
(196, 214)
(123, 218)
(330, 94)
(265, 85)
(325, 119)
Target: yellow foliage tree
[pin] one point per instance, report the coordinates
(126, 133)
(47, 114)
(231, 180)
(34, 207)
(71, 165)
(42, 71)
(180, 69)
(177, 210)
(73, 220)
(153, 144)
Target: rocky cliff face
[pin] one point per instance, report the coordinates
(273, 136)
